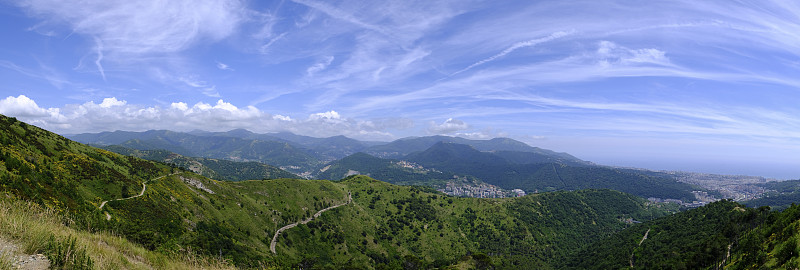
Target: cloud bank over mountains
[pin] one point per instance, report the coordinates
(113, 114)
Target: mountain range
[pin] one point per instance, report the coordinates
(290, 150)
(501, 162)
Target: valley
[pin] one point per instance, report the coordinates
(360, 221)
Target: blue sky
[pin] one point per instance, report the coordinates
(708, 86)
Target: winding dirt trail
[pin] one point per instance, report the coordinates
(144, 187)
(316, 215)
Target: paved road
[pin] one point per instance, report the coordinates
(316, 215)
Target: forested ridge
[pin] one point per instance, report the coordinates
(218, 169)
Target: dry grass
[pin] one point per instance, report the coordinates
(5, 260)
(31, 226)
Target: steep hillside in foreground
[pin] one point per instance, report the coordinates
(51, 170)
(27, 228)
(694, 239)
(721, 235)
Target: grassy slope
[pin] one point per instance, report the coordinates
(51, 170)
(31, 226)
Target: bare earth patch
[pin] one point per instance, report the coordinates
(9, 252)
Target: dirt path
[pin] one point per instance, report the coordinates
(144, 187)
(316, 215)
(16, 259)
(727, 256)
(640, 244)
(645, 236)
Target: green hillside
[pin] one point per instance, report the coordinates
(212, 168)
(387, 170)
(277, 153)
(723, 234)
(396, 225)
(51, 170)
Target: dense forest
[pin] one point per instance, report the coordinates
(723, 234)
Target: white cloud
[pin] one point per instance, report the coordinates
(474, 135)
(179, 106)
(24, 107)
(610, 53)
(448, 126)
(319, 66)
(329, 115)
(282, 117)
(111, 102)
(223, 66)
(98, 61)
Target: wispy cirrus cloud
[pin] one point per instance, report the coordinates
(45, 73)
(141, 27)
(514, 47)
(126, 32)
(223, 66)
(319, 66)
(340, 14)
(204, 87)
